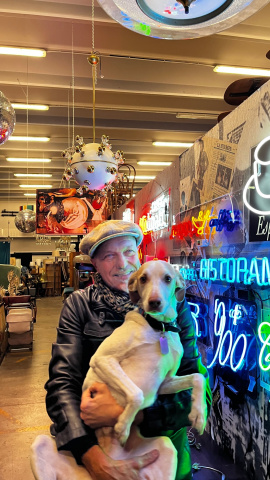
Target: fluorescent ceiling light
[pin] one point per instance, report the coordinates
(40, 175)
(257, 72)
(197, 116)
(29, 139)
(30, 194)
(36, 186)
(26, 52)
(144, 177)
(26, 160)
(23, 106)
(172, 144)
(164, 164)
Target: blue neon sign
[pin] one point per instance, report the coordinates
(236, 270)
(199, 313)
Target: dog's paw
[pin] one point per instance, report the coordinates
(198, 419)
(122, 432)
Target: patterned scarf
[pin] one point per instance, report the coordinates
(115, 299)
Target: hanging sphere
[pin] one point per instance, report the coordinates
(94, 169)
(7, 119)
(25, 221)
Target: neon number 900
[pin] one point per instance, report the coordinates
(228, 337)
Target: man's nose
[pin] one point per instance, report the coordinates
(121, 261)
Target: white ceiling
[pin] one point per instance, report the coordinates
(145, 82)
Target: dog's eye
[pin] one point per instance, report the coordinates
(168, 278)
(143, 279)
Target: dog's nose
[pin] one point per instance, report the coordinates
(154, 304)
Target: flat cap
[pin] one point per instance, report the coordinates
(108, 230)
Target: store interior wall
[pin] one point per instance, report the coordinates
(239, 420)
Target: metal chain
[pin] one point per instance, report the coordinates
(93, 21)
(73, 88)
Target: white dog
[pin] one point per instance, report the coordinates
(137, 361)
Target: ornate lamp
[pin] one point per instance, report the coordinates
(93, 166)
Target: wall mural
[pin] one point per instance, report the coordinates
(64, 211)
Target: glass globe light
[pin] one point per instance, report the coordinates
(25, 221)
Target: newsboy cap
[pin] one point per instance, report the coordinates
(106, 231)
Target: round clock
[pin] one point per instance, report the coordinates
(179, 19)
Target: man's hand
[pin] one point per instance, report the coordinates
(98, 407)
(102, 467)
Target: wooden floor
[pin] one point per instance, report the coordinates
(22, 405)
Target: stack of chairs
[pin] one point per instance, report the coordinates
(20, 317)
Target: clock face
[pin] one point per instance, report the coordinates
(172, 12)
(167, 19)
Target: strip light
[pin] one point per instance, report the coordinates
(23, 106)
(30, 194)
(172, 144)
(35, 175)
(28, 139)
(26, 52)
(36, 186)
(164, 164)
(257, 72)
(145, 177)
(30, 160)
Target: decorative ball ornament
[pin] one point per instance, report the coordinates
(7, 119)
(93, 166)
(180, 19)
(25, 221)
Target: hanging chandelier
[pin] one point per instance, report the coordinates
(93, 166)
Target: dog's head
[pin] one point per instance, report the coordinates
(156, 287)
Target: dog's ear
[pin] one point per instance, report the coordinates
(180, 287)
(132, 287)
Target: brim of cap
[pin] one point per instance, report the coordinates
(124, 234)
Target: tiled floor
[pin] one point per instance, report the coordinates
(22, 409)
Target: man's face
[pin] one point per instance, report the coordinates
(115, 260)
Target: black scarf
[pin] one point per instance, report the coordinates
(115, 299)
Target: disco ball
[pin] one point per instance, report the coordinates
(93, 166)
(7, 119)
(25, 221)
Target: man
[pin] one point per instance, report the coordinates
(88, 317)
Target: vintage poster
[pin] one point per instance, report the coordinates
(64, 212)
(214, 167)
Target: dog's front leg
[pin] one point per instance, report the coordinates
(110, 372)
(196, 381)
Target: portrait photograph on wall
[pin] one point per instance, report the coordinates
(63, 211)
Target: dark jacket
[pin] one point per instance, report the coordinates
(84, 323)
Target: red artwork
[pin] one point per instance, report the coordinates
(65, 212)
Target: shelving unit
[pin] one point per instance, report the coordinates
(53, 272)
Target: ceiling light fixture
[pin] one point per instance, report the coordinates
(257, 72)
(29, 139)
(144, 177)
(182, 18)
(35, 186)
(164, 164)
(23, 106)
(197, 116)
(26, 52)
(33, 175)
(172, 144)
(30, 194)
(28, 160)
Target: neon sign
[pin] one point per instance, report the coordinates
(199, 314)
(158, 217)
(254, 179)
(234, 325)
(264, 336)
(204, 224)
(236, 270)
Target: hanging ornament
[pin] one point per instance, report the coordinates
(7, 119)
(180, 19)
(25, 221)
(93, 166)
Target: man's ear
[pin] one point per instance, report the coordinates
(132, 287)
(180, 287)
